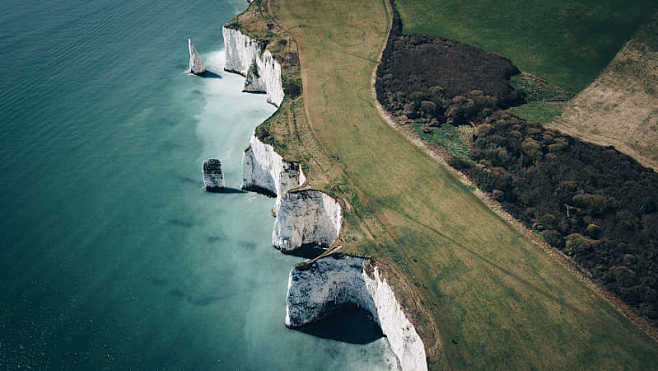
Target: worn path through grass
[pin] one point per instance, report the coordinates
(480, 294)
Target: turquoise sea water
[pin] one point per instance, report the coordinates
(112, 256)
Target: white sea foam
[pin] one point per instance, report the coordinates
(227, 117)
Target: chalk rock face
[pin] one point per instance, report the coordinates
(336, 281)
(253, 83)
(213, 178)
(196, 63)
(243, 52)
(306, 218)
(265, 171)
(401, 334)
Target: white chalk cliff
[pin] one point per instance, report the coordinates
(309, 217)
(244, 54)
(305, 218)
(253, 83)
(197, 66)
(265, 171)
(336, 281)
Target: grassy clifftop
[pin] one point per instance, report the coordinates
(480, 294)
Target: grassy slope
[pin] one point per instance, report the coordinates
(488, 298)
(543, 112)
(621, 107)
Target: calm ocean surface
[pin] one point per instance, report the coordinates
(112, 256)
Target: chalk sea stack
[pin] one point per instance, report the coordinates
(213, 178)
(196, 63)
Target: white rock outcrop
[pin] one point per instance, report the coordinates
(213, 177)
(253, 83)
(244, 54)
(306, 218)
(197, 66)
(265, 171)
(336, 281)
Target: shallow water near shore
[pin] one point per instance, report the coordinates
(112, 255)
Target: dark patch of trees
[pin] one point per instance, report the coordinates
(594, 203)
(292, 87)
(429, 79)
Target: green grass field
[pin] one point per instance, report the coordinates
(539, 111)
(566, 42)
(455, 140)
(479, 293)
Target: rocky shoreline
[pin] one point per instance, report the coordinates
(307, 217)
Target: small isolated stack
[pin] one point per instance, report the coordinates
(213, 178)
(196, 63)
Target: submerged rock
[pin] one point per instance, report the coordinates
(196, 63)
(213, 178)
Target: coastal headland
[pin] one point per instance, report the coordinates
(477, 292)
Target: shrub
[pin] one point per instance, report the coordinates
(553, 238)
(437, 92)
(558, 146)
(549, 220)
(531, 148)
(499, 156)
(577, 244)
(624, 276)
(498, 195)
(427, 108)
(292, 87)
(593, 231)
(460, 163)
(483, 130)
(417, 96)
(596, 204)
